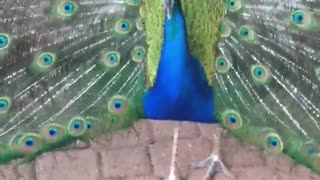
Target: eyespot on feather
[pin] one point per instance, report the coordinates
(43, 62)
(222, 64)
(53, 133)
(225, 29)
(234, 5)
(5, 41)
(305, 20)
(67, 8)
(309, 149)
(123, 26)
(138, 54)
(5, 104)
(247, 34)
(301, 18)
(110, 59)
(77, 126)
(95, 127)
(117, 105)
(140, 24)
(273, 143)
(231, 119)
(260, 74)
(29, 143)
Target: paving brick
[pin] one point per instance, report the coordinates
(141, 134)
(221, 176)
(123, 138)
(72, 165)
(200, 174)
(7, 172)
(197, 174)
(207, 130)
(283, 176)
(255, 173)
(126, 162)
(143, 178)
(280, 162)
(127, 158)
(160, 154)
(189, 150)
(236, 155)
(20, 172)
(301, 171)
(144, 130)
(192, 151)
(293, 177)
(26, 172)
(163, 130)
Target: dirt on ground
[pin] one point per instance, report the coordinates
(144, 153)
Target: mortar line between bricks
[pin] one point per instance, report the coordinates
(33, 170)
(2, 174)
(150, 160)
(16, 172)
(99, 165)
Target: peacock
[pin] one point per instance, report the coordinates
(74, 70)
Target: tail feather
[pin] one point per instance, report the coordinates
(267, 86)
(62, 64)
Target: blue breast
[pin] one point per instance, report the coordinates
(180, 91)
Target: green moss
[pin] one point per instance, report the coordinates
(203, 33)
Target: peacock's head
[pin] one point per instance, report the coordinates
(168, 5)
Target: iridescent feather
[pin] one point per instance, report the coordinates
(75, 70)
(267, 76)
(69, 69)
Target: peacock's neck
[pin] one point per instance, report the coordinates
(174, 53)
(175, 47)
(175, 34)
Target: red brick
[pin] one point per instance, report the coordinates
(143, 178)
(192, 151)
(126, 162)
(7, 172)
(163, 130)
(207, 130)
(26, 171)
(301, 171)
(236, 155)
(255, 173)
(72, 165)
(160, 154)
(280, 162)
(189, 151)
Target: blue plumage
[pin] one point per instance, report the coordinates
(181, 91)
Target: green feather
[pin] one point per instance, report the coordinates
(266, 80)
(68, 70)
(76, 70)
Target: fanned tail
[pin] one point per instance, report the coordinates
(68, 69)
(267, 76)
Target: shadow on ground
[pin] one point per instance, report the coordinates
(144, 153)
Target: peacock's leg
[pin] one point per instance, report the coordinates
(213, 162)
(173, 173)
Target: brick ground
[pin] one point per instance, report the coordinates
(144, 154)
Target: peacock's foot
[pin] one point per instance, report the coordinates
(173, 173)
(213, 162)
